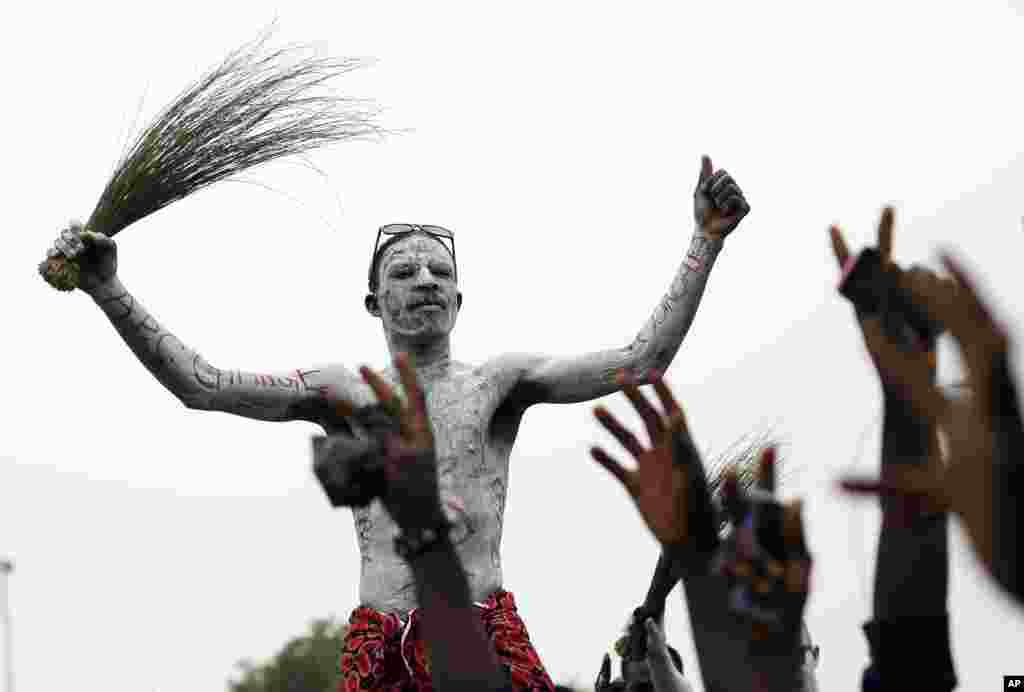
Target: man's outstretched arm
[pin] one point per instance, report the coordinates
(296, 395)
(719, 206)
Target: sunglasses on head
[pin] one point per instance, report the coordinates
(396, 230)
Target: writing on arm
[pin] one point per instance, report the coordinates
(564, 380)
(296, 395)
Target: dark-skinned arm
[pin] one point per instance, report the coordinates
(1007, 481)
(663, 485)
(908, 635)
(461, 658)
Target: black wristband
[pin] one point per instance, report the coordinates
(911, 650)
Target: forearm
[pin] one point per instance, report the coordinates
(909, 653)
(658, 341)
(176, 366)
(1007, 519)
(664, 580)
(460, 655)
(543, 379)
(778, 660)
(780, 673)
(911, 575)
(190, 378)
(728, 661)
(720, 639)
(1007, 486)
(906, 439)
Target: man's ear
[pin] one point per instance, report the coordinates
(372, 304)
(458, 302)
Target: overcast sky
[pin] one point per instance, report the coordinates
(157, 546)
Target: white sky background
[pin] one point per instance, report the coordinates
(156, 546)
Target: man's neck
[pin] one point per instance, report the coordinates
(428, 357)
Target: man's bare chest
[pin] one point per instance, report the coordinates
(461, 411)
(473, 434)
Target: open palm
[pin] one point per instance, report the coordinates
(658, 486)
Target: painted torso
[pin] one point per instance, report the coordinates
(474, 431)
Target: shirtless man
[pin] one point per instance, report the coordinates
(475, 410)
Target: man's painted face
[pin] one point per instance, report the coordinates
(417, 293)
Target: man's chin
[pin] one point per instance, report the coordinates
(427, 332)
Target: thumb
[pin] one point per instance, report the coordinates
(706, 168)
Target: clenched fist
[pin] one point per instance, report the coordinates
(79, 258)
(718, 202)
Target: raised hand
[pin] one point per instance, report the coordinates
(892, 288)
(718, 202)
(983, 431)
(766, 558)
(658, 486)
(94, 253)
(412, 497)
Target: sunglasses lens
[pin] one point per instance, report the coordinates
(397, 229)
(438, 230)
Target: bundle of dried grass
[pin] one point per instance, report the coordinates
(256, 106)
(743, 457)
